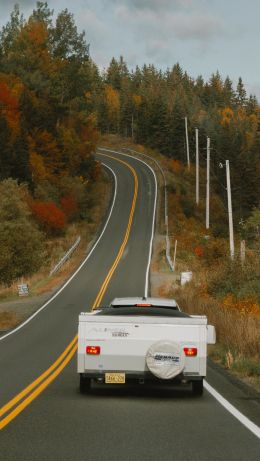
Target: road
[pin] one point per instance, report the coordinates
(51, 420)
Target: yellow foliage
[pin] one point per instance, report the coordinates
(137, 100)
(113, 103)
(241, 113)
(37, 167)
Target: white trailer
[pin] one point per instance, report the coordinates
(145, 340)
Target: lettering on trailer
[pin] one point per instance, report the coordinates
(117, 333)
(120, 334)
(158, 356)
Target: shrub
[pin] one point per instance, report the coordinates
(22, 250)
(215, 249)
(241, 281)
(188, 207)
(51, 218)
(69, 206)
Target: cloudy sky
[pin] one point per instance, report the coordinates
(202, 35)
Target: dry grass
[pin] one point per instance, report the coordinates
(237, 332)
(8, 320)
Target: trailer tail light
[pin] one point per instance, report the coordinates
(190, 351)
(93, 350)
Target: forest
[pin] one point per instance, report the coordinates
(55, 104)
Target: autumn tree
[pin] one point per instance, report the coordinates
(113, 106)
(21, 241)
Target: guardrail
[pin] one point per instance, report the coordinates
(65, 257)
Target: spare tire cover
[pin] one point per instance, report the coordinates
(165, 359)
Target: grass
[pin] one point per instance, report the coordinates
(8, 320)
(245, 368)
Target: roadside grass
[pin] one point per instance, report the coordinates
(245, 368)
(8, 320)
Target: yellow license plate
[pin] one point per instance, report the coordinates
(115, 378)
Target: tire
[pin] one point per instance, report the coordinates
(197, 388)
(165, 359)
(84, 384)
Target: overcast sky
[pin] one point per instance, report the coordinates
(202, 35)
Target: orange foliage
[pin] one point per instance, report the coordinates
(34, 39)
(243, 306)
(176, 166)
(37, 33)
(227, 115)
(45, 156)
(50, 217)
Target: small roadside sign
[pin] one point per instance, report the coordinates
(186, 277)
(23, 289)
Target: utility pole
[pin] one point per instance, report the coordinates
(187, 143)
(207, 186)
(197, 165)
(175, 250)
(230, 216)
(132, 126)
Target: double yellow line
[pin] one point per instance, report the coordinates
(27, 395)
(122, 248)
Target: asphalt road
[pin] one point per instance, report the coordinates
(129, 423)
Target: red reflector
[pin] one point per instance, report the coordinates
(190, 351)
(93, 350)
(143, 305)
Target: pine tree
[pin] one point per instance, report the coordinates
(241, 92)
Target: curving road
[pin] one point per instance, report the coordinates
(44, 416)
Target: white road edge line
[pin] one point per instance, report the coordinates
(236, 413)
(154, 213)
(225, 403)
(75, 273)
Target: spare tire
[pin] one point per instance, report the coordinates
(165, 359)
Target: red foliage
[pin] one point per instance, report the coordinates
(51, 218)
(9, 106)
(6, 97)
(69, 206)
(198, 251)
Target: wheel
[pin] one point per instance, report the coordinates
(197, 387)
(84, 384)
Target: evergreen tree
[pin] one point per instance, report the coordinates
(241, 92)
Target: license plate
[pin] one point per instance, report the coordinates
(115, 378)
